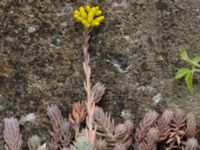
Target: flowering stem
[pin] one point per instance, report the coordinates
(90, 104)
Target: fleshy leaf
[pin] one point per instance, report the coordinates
(82, 143)
(196, 59)
(188, 80)
(181, 73)
(184, 55)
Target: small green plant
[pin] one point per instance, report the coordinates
(187, 73)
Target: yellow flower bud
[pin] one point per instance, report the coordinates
(90, 17)
(96, 23)
(77, 17)
(76, 12)
(93, 9)
(98, 13)
(84, 15)
(81, 9)
(82, 12)
(97, 8)
(85, 23)
(81, 19)
(99, 19)
(88, 8)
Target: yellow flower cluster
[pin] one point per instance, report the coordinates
(89, 16)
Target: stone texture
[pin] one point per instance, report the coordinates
(135, 52)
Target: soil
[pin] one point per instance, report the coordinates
(135, 53)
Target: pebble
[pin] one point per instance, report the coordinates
(31, 29)
(160, 58)
(28, 118)
(63, 24)
(57, 41)
(67, 10)
(157, 98)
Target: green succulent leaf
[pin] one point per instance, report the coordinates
(184, 55)
(196, 59)
(181, 73)
(188, 80)
(82, 143)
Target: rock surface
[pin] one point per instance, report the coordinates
(135, 53)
